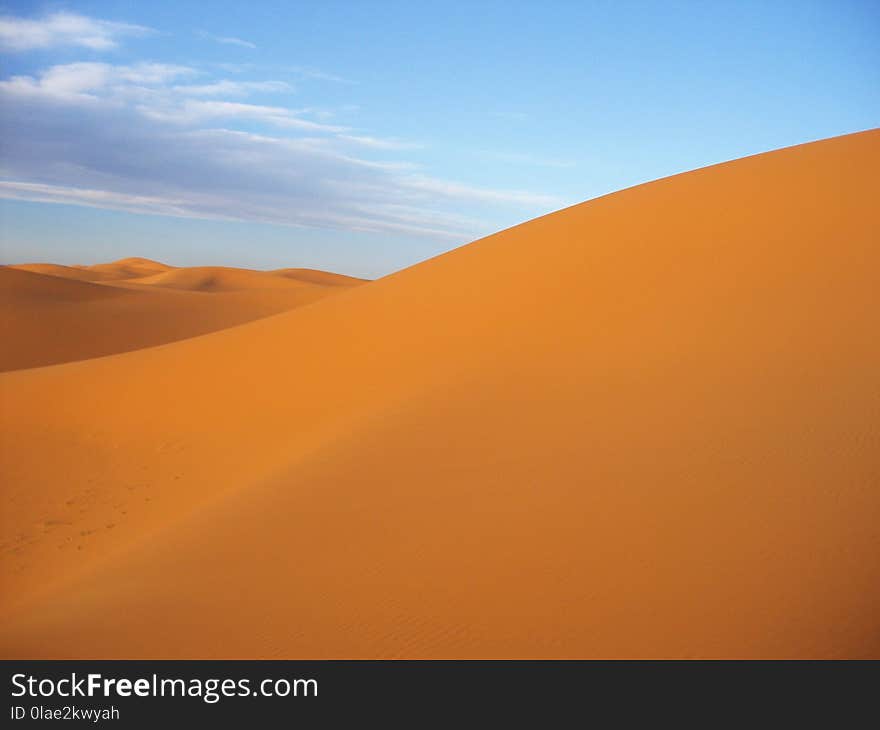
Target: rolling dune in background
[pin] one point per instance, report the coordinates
(130, 268)
(313, 276)
(53, 314)
(644, 426)
(222, 279)
(81, 273)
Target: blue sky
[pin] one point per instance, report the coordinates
(364, 136)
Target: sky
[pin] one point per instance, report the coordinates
(362, 137)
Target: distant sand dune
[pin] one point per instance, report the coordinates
(218, 278)
(22, 285)
(67, 272)
(193, 278)
(644, 426)
(129, 268)
(48, 318)
(313, 276)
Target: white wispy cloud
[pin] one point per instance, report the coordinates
(173, 140)
(64, 29)
(40, 193)
(307, 72)
(299, 72)
(226, 40)
(234, 88)
(192, 111)
(146, 84)
(84, 81)
(378, 143)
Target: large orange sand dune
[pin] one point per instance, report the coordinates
(644, 426)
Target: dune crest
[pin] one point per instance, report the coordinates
(644, 426)
(129, 268)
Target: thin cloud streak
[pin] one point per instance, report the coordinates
(226, 40)
(378, 143)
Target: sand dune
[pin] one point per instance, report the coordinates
(28, 286)
(67, 272)
(644, 426)
(129, 268)
(136, 270)
(47, 318)
(313, 276)
(220, 278)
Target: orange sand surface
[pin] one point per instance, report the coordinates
(53, 314)
(644, 426)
